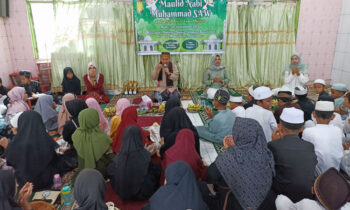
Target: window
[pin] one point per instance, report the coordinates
(42, 23)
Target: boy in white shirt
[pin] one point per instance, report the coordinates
(261, 111)
(236, 105)
(326, 138)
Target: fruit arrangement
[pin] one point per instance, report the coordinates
(194, 107)
(162, 107)
(153, 110)
(109, 111)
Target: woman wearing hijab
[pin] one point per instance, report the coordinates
(121, 105)
(179, 192)
(216, 75)
(94, 83)
(91, 144)
(296, 74)
(63, 114)
(70, 83)
(170, 104)
(89, 190)
(73, 107)
(17, 102)
(70, 157)
(176, 120)
(92, 103)
(242, 175)
(46, 107)
(8, 191)
(32, 152)
(129, 117)
(184, 150)
(133, 175)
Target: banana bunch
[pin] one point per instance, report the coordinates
(194, 107)
(162, 107)
(109, 111)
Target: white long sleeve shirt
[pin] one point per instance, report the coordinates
(292, 81)
(327, 140)
(264, 117)
(239, 111)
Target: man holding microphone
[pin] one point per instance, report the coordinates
(167, 75)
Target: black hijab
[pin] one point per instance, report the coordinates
(7, 191)
(176, 120)
(32, 150)
(130, 166)
(74, 107)
(70, 85)
(180, 192)
(170, 104)
(89, 190)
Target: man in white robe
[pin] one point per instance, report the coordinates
(261, 111)
(326, 138)
(236, 105)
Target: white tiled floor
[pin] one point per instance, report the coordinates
(208, 151)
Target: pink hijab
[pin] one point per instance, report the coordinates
(63, 115)
(122, 104)
(92, 103)
(17, 104)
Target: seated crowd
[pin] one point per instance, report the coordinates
(295, 157)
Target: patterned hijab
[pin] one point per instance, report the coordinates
(302, 67)
(214, 67)
(247, 167)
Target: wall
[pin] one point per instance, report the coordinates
(20, 42)
(16, 51)
(5, 55)
(341, 64)
(317, 33)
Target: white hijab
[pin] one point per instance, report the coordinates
(97, 72)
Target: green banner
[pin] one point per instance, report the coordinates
(180, 26)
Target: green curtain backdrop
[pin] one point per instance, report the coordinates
(259, 42)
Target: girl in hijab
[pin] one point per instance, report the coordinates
(173, 122)
(242, 175)
(63, 114)
(32, 152)
(17, 103)
(179, 192)
(8, 191)
(296, 74)
(94, 83)
(133, 175)
(170, 104)
(91, 144)
(70, 157)
(70, 83)
(216, 75)
(122, 104)
(92, 103)
(89, 190)
(46, 107)
(184, 150)
(74, 107)
(129, 117)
